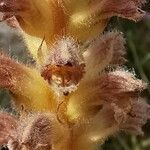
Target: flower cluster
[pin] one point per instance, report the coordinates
(78, 94)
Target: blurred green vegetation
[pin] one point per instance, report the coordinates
(138, 56)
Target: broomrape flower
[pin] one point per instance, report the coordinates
(78, 103)
(82, 19)
(77, 95)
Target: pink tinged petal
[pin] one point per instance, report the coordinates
(120, 81)
(100, 127)
(117, 87)
(12, 9)
(13, 144)
(120, 87)
(37, 132)
(139, 2)
(14, 6)
(26, 85)
(8, 125)
(11, 21)
(120, 115)
(112, 118)
(8, 72)
(65, 50)
(136, 117)
(106, 50)
(43, 131)
(123, 8)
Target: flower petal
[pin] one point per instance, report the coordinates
(117, 87)
(43, 131)
(26, 85)
(107, 50)
(137, 117)
(62, 19)
(37, 134)
(63, 66)
(31, 15)
(112, 119)
(123, 8)
(14, 6)
(82, 19)
(95, 130)
(109, 104)
(8, 125)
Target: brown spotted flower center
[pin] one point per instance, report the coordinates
(63, 75)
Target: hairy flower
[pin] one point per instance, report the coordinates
(82, 19)
(8, 124)
(77, 101)
(25, 84)
(78, 94)
(64, 64)
(32, 133)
